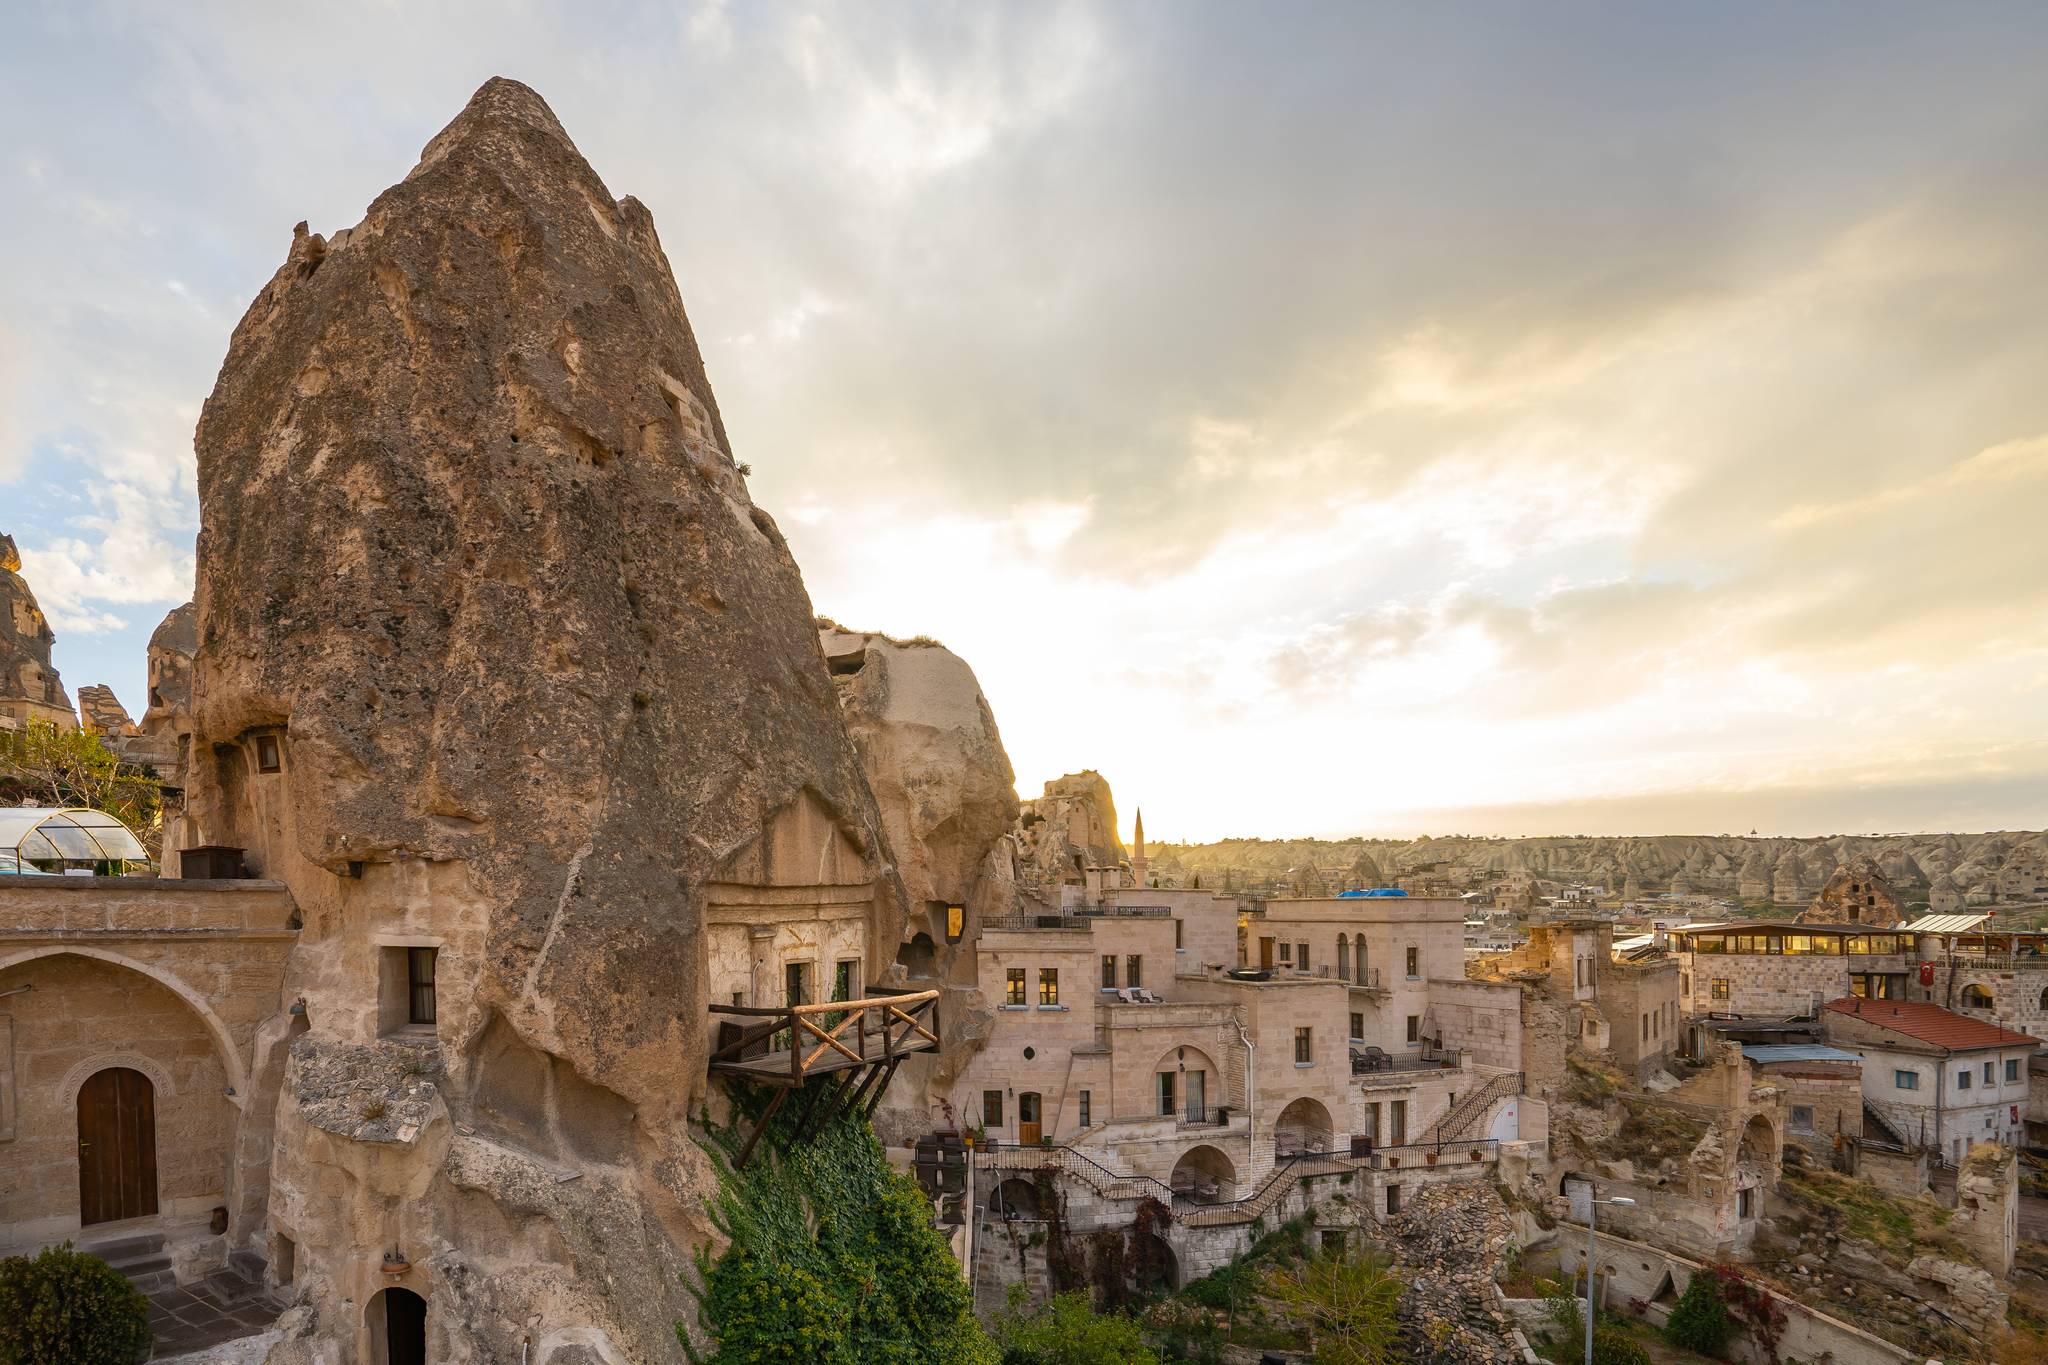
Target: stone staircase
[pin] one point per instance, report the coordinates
(141, 1258)
(1459, 1122)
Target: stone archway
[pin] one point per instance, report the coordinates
(1205, 1174)
(224, 1042)
(1760, 1142)
(1015, 1198)
(1304, 1125)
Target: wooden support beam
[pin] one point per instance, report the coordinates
(761, 1127)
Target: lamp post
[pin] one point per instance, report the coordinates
(1592, 1250)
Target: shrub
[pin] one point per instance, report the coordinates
(1699, 1320)
(67, 1308)
(1067, 1331)
(833, 1260)
(1612, 1346)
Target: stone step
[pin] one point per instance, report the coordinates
(127, 1251)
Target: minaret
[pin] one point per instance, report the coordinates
(1138, 851)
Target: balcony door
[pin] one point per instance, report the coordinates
(1029, 1129)
(1198, 1096)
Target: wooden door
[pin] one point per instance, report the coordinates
(1266, 954)
(1029, 1127)
(116, 1146)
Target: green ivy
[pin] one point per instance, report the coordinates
(833, 1259)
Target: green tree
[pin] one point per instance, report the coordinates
(1700, 1321)
(64, 1307)
(1068, 1331)
(1348, 1302)
(42, 765)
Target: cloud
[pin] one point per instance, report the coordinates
(1315, 425)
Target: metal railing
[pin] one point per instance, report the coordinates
(1458, 1121)
(1466, 1151)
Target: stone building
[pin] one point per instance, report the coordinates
(1582, 998)
(1857, 893)
(140, 1028)
(29, 686)
(1759, 969)
(1823, 1094)
(1937, 1078)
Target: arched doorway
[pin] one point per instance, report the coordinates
(1155, 1269)
(1205, 1175)
(1015, 1198)
(116, 1146)
(1759, 1142)
(1303, 1126)
(397, 1319)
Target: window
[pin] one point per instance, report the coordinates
(1109, 971)
(1720, 988)
(419, 985)
(1646, 1028)
(1166, 1092)
(267, 758)
(1358, 1030)
(846, 978)
(1134, 970)
(1990, 1073)
(1372, 1124)
(1802, 1118)
(1344, 956)
(1301, 957)
(1087, 1110)
(1745, 1204)
(1905, 1080)
(1977, 998)
(796, 983)
(992, 1108)
(1287, 953)
(1414, 963)
(1963, 1079)
(956, 922)
(1685, 983)
(1177, 935)
(1304, 1046)
(1393, 1199)
(2012, 1071)
(1414, 1028)
(1015, 993)
(1048, 986)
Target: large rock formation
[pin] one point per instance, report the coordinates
(1069, 829)
(933, 758)
(1857, 893)
(29, 686)
(497, 657)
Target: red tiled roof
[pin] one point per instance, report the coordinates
(1930, 1023)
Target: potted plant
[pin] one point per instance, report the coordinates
(1430, 1157)
(395, 1263)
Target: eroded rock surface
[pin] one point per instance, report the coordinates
(497, 657)
(29, 687)
(929, 746)
(1069, 829)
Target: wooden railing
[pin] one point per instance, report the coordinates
(811, 1032)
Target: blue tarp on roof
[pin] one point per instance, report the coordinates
(1796, 1052)
(1383, 891)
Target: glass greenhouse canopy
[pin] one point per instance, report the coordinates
(64, 839)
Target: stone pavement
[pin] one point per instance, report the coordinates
(219, 1308)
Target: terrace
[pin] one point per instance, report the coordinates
(855, 1045)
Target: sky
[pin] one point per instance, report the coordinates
(1321, 420)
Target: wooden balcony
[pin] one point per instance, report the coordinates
(852, 1047)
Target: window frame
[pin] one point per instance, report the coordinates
(1016, 986)
(1048, 987)
(1304, 1045)
(1905, 1080)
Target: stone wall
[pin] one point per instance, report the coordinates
(1483, 1019)
(82, 1016)
(184, 975)
(1632, 1270)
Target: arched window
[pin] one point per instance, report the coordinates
(1976, 998)
(1344, 956)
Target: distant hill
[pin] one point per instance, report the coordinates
(1976, 869)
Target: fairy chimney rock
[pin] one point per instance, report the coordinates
(495, 654)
